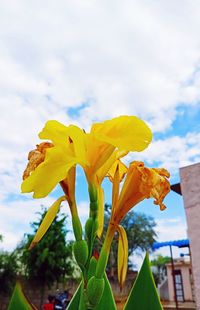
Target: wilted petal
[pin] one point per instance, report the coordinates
(49, 173)
(141, 183)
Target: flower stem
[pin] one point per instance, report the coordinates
(105, 251)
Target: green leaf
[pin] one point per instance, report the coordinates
(144, 293)
(76, 300)
(19, 300)
(107, 300)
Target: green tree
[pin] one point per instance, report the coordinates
(159, 264)
(8, 270)
(140, 233)
(50, 260)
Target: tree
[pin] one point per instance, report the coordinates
(160, 270)
(140, 233)
(51, 259)
(8, 270)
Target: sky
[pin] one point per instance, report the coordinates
(83, 61)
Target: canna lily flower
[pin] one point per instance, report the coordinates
(50, 163)
(70, 146)
(106, 143)
(140, 183)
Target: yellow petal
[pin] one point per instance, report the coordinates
(98, 153)
(49, 173)
(61, 134)
(68, 185)
(54, 131)
(47, 221)
(122, 260)
(124, 132)
(104, 169)
(100, 215)
(115, 189)
(121, 168)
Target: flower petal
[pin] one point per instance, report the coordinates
(49, 173)
(61, 134)
(124, 132)
(122, 260)
(98, 153)
(121, 168)
(141, 183)
(47, 221)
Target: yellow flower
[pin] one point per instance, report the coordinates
(56, 158)
(95, 151)
(140, 183)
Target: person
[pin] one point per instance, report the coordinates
(50, 304)
(62, 300)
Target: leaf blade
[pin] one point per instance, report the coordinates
(19, 300)
(144, 294)
(107, 300)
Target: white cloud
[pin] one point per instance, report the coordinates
(135, 57)
(16, 216)
(172, 152)
(171, 229)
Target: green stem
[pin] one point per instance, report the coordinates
(105, 251)
(76, 223)
(93, 214)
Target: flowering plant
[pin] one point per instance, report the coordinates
(100, 154)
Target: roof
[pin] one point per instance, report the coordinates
(179, 243)
(176, 188)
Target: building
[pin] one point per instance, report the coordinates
(189, 188)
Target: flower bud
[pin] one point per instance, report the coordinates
(80, 249)
(88, 227)
(95, 290)
(91, 226)
(92, 267)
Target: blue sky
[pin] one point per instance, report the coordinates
(85, 61)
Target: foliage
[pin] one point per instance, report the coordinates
(19, 300)
(144, 294)
(160, 263)
(8, 271)
(50, 260)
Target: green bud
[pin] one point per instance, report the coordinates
(95, 290)
(77, 227)
(80, 249)
(94, 206)
(96, 225)
(92, 267)
(91, 225)
(88, 227)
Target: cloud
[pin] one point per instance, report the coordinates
(135, 57)
(172, 152)
(16, 216)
